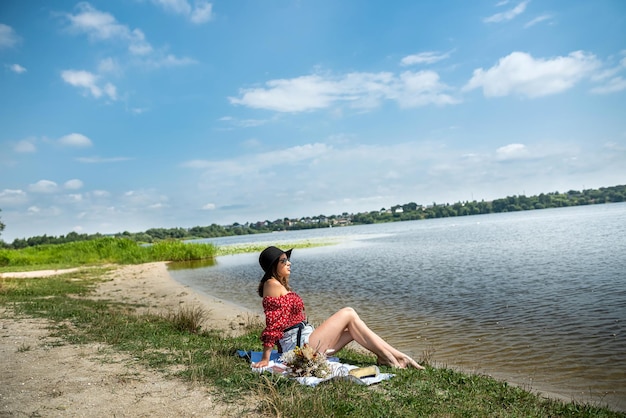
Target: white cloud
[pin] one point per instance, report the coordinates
(209, 206)
(614, 85)
(309, 173)
(110, 90)
(296, 154)
(201, 13)
(82, 79)
(43, 186)
(143, 198)
(512, 152)
(264, 161)
(75, 197)
(519, 73)
(294, 95)
(45, 213)
(109, 65)
(75, 140)
(538, 19)
(89, 82)
(358, 90)
(73, 184)
(103, 26)
(169, 61)
(100, 193)
(249, 123)
(174, 6)
(429, 57)
(421, 89)
(138, 44)
(25, 146)
(96, 24)
(16, 68)
(8, 37)
(10, 197)
(508, 15)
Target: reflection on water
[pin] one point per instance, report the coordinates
(537, 297)
(191, 264)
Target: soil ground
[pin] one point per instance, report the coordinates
(42, 376)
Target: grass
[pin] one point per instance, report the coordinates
(173, 343)
(101, 251)
(109, 250)
(258, 247)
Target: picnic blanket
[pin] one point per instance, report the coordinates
(339, 371)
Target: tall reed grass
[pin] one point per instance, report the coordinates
(100, 251)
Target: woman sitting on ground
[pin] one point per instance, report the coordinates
(286, 324)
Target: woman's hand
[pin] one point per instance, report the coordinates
(262, 363)
(265, 358)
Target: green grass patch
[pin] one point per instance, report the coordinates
(174, 344)
(101, 251)
(110, 250)
(258, 247)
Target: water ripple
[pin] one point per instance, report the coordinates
(536, 297)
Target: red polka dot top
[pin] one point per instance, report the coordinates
(280, 313)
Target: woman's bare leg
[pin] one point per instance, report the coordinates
(346, 326)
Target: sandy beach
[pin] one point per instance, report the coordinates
(54, 379)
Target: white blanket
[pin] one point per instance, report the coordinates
(339, 371)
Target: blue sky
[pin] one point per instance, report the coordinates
(128, 115)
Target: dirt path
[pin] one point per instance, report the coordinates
(41, 376)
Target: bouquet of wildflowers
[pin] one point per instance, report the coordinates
(305, 361)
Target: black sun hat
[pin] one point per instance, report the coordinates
(270, 255)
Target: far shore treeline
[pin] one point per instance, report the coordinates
(407, 212)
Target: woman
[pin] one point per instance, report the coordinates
(286, 324)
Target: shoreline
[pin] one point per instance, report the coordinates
(155, 287)
(544, 391)
(151, 286)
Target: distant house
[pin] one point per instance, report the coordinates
(341, 222)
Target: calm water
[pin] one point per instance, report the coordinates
(537, 298)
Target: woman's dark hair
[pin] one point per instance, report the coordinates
(273, 272)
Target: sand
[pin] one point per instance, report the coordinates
(46, 377)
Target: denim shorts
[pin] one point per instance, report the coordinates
(289, 341)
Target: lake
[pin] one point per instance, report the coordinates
(536, 297)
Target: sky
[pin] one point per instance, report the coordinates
(129, 115)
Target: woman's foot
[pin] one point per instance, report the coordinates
(391, 362)
(401, 362)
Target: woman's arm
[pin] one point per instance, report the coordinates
(265, 360)
(273, 315)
